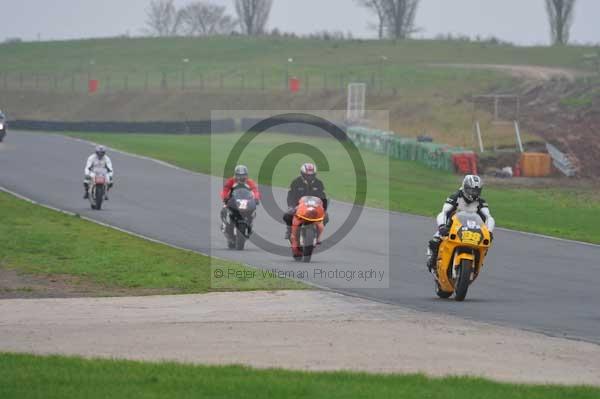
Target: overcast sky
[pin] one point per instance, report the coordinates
(519, 21)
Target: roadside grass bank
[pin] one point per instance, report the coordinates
(405, 186)
(28, 376)
(45, 243)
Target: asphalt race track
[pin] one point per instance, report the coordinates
(530, 282)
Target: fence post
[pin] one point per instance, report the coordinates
(163, 81)
(306, 81)
(108, 84)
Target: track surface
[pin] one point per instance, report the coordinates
(531, 282)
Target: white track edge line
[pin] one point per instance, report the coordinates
(154, 240)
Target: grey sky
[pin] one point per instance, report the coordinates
(519, 21)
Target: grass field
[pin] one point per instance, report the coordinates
(421, 99)
(26, 376)
(399, 185)
(42, 242)
(254, 63)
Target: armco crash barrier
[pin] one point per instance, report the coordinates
(437, 156)
(189, 127)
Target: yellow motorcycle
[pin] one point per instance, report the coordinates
(461, 255)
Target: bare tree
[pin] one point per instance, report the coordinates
(396, 17)
(400, 17)
(253, 15)
(163, 19)
(560, 16)
(206, 19)
(376, 7)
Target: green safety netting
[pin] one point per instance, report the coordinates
(438, 156)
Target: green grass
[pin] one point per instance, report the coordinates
(252, 63)
(43, 242)
(27, 376)
(397, 185)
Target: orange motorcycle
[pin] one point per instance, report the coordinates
(307, 228)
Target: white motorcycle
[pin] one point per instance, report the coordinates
(98, 187)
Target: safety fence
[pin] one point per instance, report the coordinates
(437, 156)
(186, 127)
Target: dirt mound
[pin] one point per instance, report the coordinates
(567, 114)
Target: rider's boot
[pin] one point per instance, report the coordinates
(86, 188)
(288, 232)
(432, 253)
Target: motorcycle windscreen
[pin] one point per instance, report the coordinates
(471, 220)
(242, 200)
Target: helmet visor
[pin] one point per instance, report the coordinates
(241, 178)
(472, 192)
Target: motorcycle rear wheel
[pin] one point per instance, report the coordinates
(440, 293)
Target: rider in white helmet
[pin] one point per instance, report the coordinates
(467, 198)
(98, 159)
(307, 184)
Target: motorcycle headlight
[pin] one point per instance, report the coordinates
(1, 125)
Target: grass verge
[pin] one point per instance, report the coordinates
(27, 376)
(43, 242)
(413, 188)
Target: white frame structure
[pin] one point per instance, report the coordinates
(357, 99)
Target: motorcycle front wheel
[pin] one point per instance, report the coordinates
(464, 279)
(98, 197)
(240, 241)
(309, 237)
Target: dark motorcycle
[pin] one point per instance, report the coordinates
(238, 217)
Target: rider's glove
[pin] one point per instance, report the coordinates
(491, 236)
(443, 230)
